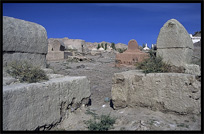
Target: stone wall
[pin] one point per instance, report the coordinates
(173, 92)
(24, 40)
(55, 55)
(55, 50)
(42, 105)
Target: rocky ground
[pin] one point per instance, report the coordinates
(99, 70)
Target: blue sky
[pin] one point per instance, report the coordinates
(111, 22)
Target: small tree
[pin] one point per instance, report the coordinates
(98, 46)
(102, 45)
(106, 46)
(113, 46)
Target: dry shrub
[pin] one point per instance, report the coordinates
(25, 72)
(153, 64)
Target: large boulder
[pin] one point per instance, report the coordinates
(169, 92)
(174, 44)
(21, 38)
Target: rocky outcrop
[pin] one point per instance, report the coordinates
(24, 40)
(174, 44)
(40, 106)
(169, 92)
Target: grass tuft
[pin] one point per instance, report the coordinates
(25, 72)
(102, 123)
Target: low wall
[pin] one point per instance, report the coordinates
(173, 92)
(57, 55)
(37, 105)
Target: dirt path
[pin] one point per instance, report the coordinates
(99, 72)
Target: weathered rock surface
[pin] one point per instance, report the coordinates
(35, 59)
(174, 43)
(55, 55)
(8, 80)
(24, 37)
(192, 69)
(173, 92)
(42, 105)
(196, 57)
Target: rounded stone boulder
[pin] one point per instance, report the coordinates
(24, 36)
(24, 41)
(174, 43)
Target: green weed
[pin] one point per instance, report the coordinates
(103, 123)
(153, 64)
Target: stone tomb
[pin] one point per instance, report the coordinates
(168, 92)
(55, 50)
(174, 44)
(131, 55)
(24, 41)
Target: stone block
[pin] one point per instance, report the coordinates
(31, 106)
(34, 58)
(24, 40)
(169, 92)
(176, 56)
(8, 80)
(23, 36)
(193, 69)
(174, 43)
